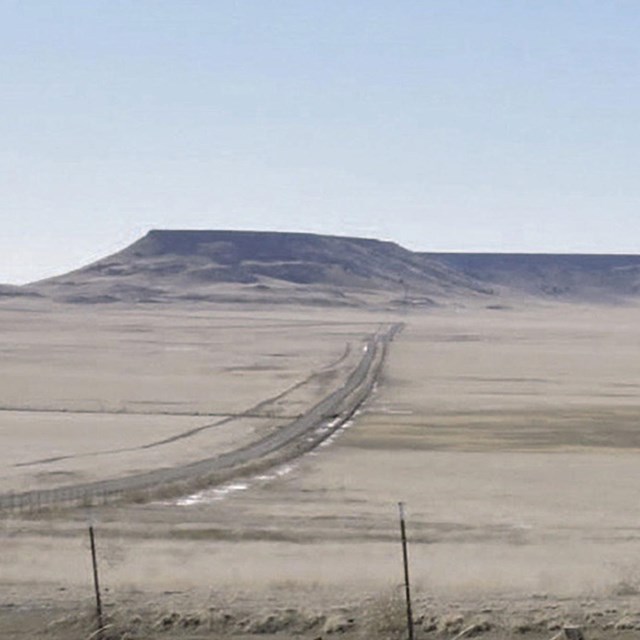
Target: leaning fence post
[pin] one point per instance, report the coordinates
(96, 584)
(405, 558)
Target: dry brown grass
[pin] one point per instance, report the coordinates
(385, 616)
(509, 434)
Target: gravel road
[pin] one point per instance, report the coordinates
(289, 441)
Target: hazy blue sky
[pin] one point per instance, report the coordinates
(443, 125)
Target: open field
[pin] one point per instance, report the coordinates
(175, 360)
(512, 435)
(111, 394)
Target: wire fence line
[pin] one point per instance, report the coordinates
(289, 441)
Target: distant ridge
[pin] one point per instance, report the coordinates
(283, 267)
(597, 277)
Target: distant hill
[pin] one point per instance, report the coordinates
(246, 266)
(567, 276)
(261, 266)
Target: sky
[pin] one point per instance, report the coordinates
(442, 125)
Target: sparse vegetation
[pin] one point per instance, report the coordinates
(385, 616)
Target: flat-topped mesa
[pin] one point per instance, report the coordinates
(248, 245)
(306, 268)
(267, 265)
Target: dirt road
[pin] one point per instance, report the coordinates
(287, 442)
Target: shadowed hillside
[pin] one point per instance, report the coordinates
(585, 277)
(247, 266)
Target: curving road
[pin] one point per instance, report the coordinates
(293, 439)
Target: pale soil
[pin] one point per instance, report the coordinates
(511, 435)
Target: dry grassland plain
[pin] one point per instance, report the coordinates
(512, 435)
